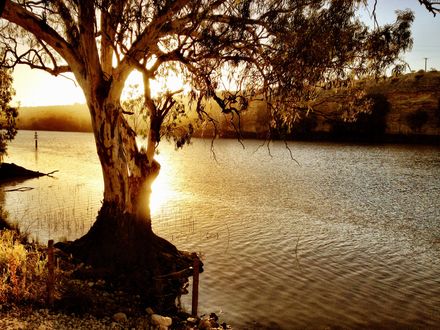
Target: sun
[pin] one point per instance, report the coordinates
(170, 83)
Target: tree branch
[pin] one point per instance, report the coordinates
(149, 36)
(432, 6)
(17, 14)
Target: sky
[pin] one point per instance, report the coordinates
(38, 88)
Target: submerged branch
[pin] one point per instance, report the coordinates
(20, 189)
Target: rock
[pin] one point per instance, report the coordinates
(192, 320)
(100, 282)
(120, 317)
(205, 324)
(149, 311)
(209, 323)
(162, 321)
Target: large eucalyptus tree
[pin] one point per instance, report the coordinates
(281, 51)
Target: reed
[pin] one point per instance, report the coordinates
(59, 213)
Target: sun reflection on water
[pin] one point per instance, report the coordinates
(162, 191)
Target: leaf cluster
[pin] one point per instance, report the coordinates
(8, 114)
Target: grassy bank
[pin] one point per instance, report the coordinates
(81, 298)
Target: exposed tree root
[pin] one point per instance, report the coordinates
(124, 250)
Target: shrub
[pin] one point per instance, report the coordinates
(417, 119)
(419, 74)
(437, 114)
(368, 126)
(22, 270)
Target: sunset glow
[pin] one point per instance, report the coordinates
(171, 83)
(36, 88)
(160, 196)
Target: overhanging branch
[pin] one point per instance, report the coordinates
(432, 6)
(17, 14)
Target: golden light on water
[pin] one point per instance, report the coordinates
(161, 193)
(162, 189)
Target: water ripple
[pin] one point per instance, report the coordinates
(350, 238)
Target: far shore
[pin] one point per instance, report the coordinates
(410, 139)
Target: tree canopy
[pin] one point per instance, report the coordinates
(283, 51)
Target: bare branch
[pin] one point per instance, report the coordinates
(432, 6)
(148, 37)
(16, 13)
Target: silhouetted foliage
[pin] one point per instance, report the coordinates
(368, 126)
(304, 127)
(432, 6)
(284, 52)
(8, 114)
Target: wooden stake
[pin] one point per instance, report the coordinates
(195, 291)
(50, 273)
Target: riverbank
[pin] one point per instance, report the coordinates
(79, 298)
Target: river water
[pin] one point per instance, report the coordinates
(340, 236)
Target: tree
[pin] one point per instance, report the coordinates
(227, 51)
(8, 114)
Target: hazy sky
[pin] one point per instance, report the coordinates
(34, 88)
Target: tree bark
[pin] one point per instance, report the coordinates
(121, 243)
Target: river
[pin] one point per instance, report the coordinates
(337, 235)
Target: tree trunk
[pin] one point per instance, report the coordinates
(121, 242)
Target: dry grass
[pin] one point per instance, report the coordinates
(22, 270)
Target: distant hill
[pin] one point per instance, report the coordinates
(75, 118)
(414, 103)
(406, 109)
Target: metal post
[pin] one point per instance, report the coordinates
(36, 140)
(50, 273)
(195, 291)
